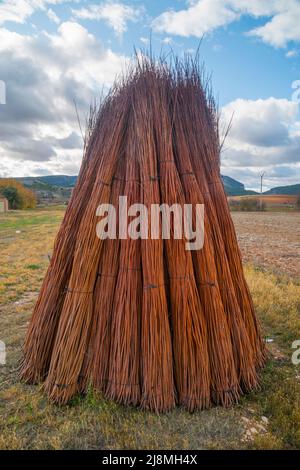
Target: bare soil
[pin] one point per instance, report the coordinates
(270, 240)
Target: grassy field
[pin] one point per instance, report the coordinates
(272, 202)
(270, 240)
(268, 418)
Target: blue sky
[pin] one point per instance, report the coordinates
(53, 52)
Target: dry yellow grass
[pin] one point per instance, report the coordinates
(269, 199)
(28, 421)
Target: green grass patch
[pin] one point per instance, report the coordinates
(33, 266)
(29, 421)
(20, 221)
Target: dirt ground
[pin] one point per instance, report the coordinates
(268, 418)
(270, 240)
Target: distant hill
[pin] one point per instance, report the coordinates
(50, 189)
(62, 181)
(234, 187)
(61, 185)
(291, 190)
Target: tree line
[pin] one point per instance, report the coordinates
(17, 195)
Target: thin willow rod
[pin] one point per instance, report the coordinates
(209, 140)
(225, 325)
(124, 382)
(145, 321)
(42, 329)
(209, 170)
(158, 390)
(190, 348)
(69, 348)
(95, 366)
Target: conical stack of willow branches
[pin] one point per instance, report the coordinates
(144, 320)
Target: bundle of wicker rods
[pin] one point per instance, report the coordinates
(144, 320)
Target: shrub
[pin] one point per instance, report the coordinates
(17, 195)
(234, 205)
(247, 204)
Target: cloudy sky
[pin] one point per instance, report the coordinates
(55, 52)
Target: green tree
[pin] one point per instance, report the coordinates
(18, 196)
(13, 197)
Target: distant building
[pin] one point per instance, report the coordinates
(3, 204)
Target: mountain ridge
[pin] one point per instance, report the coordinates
(232, 186)
(293, 189)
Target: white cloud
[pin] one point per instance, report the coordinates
(19, 11)
(292, 53)
(204, 16)
(167, 40)
(200, 17)
(53, 16)
(261, 122)
(115, 14)
(283, 27)
(265, 134)
(15, 10)
(56, 69)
